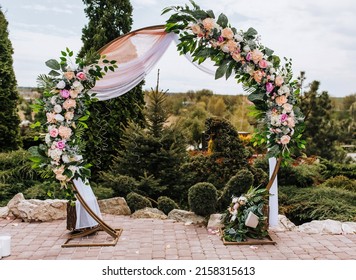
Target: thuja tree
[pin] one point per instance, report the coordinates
(321, 132)
(108, 19)
(9, 119)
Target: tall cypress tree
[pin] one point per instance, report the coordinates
(108, 19)
(9, 119)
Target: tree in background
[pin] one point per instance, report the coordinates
(108, 19)
(9, 98)
(321, 132)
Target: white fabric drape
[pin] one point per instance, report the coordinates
(136, 54)
(84, 220)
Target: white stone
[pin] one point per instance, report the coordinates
(312, 227)
(186, 217)
(321, 227)
(215, 221)
(332, 227)
(13, 203)
(42, 210)
(114, 206)
(149, 213)
(4, 212)
(348, 227)
(284, 224)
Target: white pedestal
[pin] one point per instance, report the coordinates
(5, 245)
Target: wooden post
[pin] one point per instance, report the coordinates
(273, 190)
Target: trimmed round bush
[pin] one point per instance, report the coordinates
(121, 185)
(202, 198)
(340, 182)
(136, 201)
(166, 204)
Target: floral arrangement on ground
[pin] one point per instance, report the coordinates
(239, 53)
(64, 105)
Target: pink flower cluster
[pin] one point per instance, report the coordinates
(252, 59)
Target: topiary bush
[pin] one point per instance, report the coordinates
(166, 204)
(136, 201)
(236, 186)
(202, 198)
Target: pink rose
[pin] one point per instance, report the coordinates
(280, 100)
(258, 75)
(269, 87)
(248, 56)
(61, 144)
(221, 39)
(64, 93)
(64, 132)
(263, 63)
(227, 33)
(69, 103)
(208, 23)
(285, 139)
(54, 132)
(279, 81)
(81, 76)
(284, 117)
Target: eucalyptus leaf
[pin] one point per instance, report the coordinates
(53, 64)
(220, 72)
(222, 20)
(54, 73)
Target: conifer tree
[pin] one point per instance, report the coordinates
(9, 119)
(108, 19)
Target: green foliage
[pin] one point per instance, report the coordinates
(166, 204)
(121, 185)
(150, 186)
(45, 190)
(333, 169)
(236, 186)
(202, 198)
(254, 200)
(317, 203)
(9, 120)
(101, 192)
(136, 201)
(108, 20)
(341, 182)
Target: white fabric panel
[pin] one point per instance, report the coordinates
(84, 220)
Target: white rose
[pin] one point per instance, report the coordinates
(61, 85)
(238, 38)
(249, 70)
(287, 108)
(276, 121)
(78, 86)
(48, 139)
(234, 200)
(225, 49)
(78, 157)
(57, 108)
(242, 200)
(272, 70)
(284, 90)
(59, 117)
(65, 158)
(246, 48)
(53, 100)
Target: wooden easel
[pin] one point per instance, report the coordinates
(102, 226)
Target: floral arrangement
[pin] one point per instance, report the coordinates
(64, 106)
(236, 229)
(239, 53)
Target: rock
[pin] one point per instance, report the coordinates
(186, 217)
(215, 222)
(35, 210)
(4, 212)
(348, 228)
(114, 206)
(13, 203)
(321, 227)
(284, 224)
(149, 213)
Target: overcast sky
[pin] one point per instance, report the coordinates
(319, 36)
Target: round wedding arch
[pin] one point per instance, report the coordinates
(124, 63)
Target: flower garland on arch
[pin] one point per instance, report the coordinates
(239, 53)
(64, 106)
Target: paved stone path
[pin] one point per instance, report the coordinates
(146, 239)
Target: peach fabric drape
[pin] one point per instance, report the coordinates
(136, 54)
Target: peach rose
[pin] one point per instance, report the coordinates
(61, 177)
(280, 100)
(50, 117)
(237, 56)
(196, 29)
(227, 33)
(257, 55)
(208, 23)
(291, 122)
(73, 93)
(64, 132)
(69, 103)
(69, 75)
(59, 170)
(231, 45)
(278, 81)
(287, 107)
(285, 139)
(69, 115)
(258, 75)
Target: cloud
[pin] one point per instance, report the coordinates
(43, 8)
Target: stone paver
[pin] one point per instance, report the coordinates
(146, 239)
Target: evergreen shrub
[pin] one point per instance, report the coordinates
(202, 198)
(136, 201)
(166, 204)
